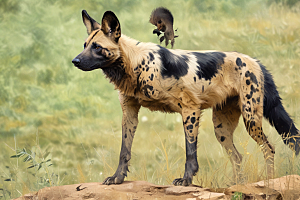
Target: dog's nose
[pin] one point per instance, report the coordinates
(76, 61)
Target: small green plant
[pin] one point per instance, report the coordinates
(237, 196)
(32, 158)
(31, 174)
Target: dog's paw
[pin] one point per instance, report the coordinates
(113, 180)
(182, 182)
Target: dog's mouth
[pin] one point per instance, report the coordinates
(93, 67)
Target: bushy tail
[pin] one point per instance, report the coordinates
(276, 114)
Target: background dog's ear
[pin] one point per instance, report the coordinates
(111, 26)
(89, 22)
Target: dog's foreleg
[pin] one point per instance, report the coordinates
(191, 119)
(130, 108)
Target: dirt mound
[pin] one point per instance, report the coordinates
(287, 187)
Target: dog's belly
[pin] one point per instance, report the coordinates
(160, 105)
(172, 102)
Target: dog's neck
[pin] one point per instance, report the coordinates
(115, 72)
(120, 72)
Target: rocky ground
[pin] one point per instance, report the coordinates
(286, 188)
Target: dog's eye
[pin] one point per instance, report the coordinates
(96, 46)
(159, 21)
(84, 45)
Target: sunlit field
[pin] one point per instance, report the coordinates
(60, 125)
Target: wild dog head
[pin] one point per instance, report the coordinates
(101, 49)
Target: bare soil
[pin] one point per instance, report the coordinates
(286, 188)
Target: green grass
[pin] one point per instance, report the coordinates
(47, 105)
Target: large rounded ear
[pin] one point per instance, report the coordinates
(89, 22)
(111, 26)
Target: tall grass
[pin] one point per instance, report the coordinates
(47, 105)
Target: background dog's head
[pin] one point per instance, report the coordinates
(101, 48)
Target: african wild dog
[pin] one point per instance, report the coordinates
(186, 82)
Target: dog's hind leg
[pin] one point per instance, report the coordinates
(190, 119)
(252, 111)
(130, 108)
(225, 121)
(254, 128)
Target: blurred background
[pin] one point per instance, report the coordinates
(60, 125)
